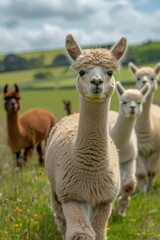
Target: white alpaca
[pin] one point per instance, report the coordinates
(124, 136)
(81, 159)
(147, 129)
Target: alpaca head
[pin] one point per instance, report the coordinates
(144, 75)
(131, 100)
(11, 98)
(67, 106)
(95, 68)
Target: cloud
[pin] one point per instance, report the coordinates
(30, 25)
(39, 9)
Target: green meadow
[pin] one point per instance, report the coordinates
(25, 194)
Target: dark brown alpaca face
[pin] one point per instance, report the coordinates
(11, 99)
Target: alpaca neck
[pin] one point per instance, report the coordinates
(13, 125)
(121, 131)
(143, 123)
(69, 112)
(92, 135)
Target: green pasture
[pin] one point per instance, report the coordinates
(52, 100)
(26, 77)
(62, 76)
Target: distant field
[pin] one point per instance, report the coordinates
(26, 77)
(52, 100)
(62, 76)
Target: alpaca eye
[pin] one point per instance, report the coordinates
(110, 73)
(138, 79)
(81, 72)
(138, 103)
(152, 79)
(124, 103)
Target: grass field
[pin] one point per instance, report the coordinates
(25, 195)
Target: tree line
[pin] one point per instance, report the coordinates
(14, 62)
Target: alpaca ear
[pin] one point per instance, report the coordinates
(119, 89)
(119, 49)
(145, 91)
(132, 68)
(16, 88)
(72, 47)
(5, 89)
(157, 69)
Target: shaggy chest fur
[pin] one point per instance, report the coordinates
(149, 135)
(17, 144)
(147, 148)
(127, 153)
(148, 143)
(84, 173)
(126, 142)
(86, 184)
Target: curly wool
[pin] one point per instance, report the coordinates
(145, 71)
(96, 57)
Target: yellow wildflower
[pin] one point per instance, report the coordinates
(107, 227)
(35, 215)
(19, 210)
(16, 225)
(36, 223)
(138, 234)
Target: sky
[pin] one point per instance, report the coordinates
(32, 25)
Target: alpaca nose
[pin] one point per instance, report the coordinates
(132, 107)
(144, 80)
(96, 81)
(13, 102)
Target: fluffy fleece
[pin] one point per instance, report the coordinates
(123, 133)
(147, 129)
(81, 159)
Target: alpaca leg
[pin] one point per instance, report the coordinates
(40, 150)
(77, 219)
(152, 177)
(100, 220)
(128, 184)
(124, 200)
(153, 166)
(141, 174)
(27, 153)
(58, 214)
(18, 162)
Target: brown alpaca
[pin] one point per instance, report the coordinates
(27, 131)
(67, 107)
